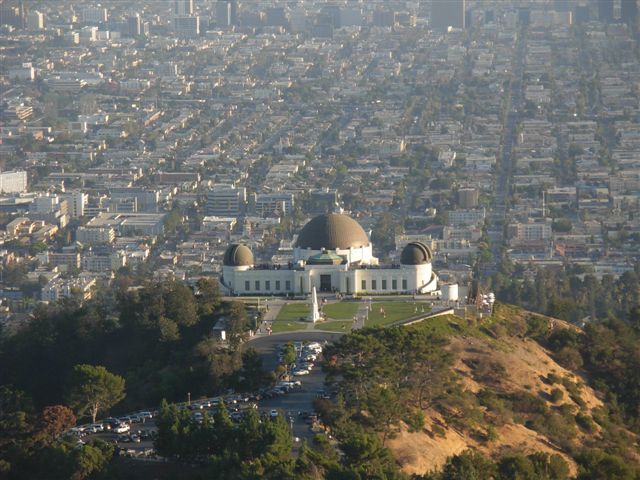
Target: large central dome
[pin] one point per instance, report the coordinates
(332, 231)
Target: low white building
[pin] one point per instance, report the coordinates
(60, 288)
(333, 254)
(13, 182)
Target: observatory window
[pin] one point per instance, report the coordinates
(374, 284)
(267, 284)
(257, 285)
(404, 284)
(394, 284)
(247, 285)
(384, 284)
(364, 284)
(287, 285)
(277, 284)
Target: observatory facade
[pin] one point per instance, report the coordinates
(333, 254)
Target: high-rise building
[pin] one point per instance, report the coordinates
(134, 26)
(383, 18)
(94, 15)
(332, 12)
(223, 13)
(226, 201)
(13, 14)
(581, 14)
(76, 202)
(234, 12)
(605, 11)
(13, 181)
(187, 27)
(276, 17)
(9, 15)
(182, 8)
(468, 197)
(35, 20)
(447, 13)
(629, 12)
(273, 203)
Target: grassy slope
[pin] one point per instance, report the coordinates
(520, 365)
(394, 311)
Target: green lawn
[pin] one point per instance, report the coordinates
(293, 311)
(288, 318)
(394, 311)
(341, 310)
(337, 326)
(287, 326)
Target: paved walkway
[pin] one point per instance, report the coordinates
(272, 313)
(361, 315)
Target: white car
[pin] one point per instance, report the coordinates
(299, 373)
(273, 413)
(122, 428)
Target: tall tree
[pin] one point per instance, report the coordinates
(93, 388)
(208, 295)
(55, 420)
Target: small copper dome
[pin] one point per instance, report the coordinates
(238, 255)
(415, 253)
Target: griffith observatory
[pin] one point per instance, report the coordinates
(333, 254)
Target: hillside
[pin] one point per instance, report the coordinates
(528, 365)
(510, 387)
(498, 366)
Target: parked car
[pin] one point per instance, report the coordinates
(111, 423)
(273, 413)
(122, 428)
(136, 419)
(198, 417)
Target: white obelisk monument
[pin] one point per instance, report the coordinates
(314, 315)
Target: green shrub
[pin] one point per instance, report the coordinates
(415, 420)
(558, 428)
(492, 434)
(537, 327)
(438, 430)
(525, 402)
(556, 395)
(585, 422)
(495, 405)
(596, 463)
(553, 378)
(569, 357)
(486, 370)
(497, 330)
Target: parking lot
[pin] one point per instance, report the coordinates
(292, 397)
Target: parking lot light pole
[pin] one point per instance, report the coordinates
(188, 398)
